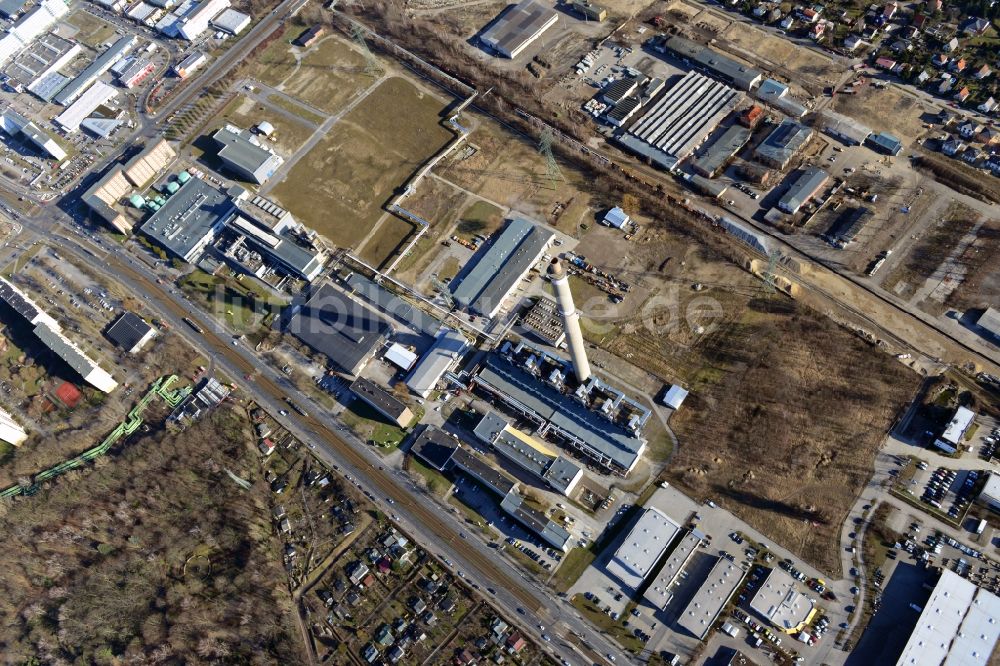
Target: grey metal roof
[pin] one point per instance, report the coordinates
(519, 452)
(726, 68)
(552, 533)
(501, 265)
(561, 473)
(73, 357)
(490, 427)
(700, 613)
(338, 327)
(720, 150)
(493, 478)
(448, 347)
(561, 411)
(100, 65)
(190, 214)
(239, 153)
(804, 187)
(379, 398)
(990, 321)
(393, 306)
(783, 142)
(519, 25)
(293, 257)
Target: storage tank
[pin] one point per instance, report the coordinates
(172, 187)
(183, 177)
(160, 201)
(136, 200)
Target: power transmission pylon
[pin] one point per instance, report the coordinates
(372, 66)
(545, 140)
(769, 273)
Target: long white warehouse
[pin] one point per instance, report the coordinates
(10, 430)
(30, 26)
(681, 120)
(98, 94)
(196, 22)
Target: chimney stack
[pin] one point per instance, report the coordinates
(571, 320)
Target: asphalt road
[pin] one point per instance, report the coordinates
(441, 533)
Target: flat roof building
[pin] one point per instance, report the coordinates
(711, 61)
(544, 321)
(808, 184)
(607, 443)
(778, 602)
(885, 143)
(48, 330)
(189, 220)
(10, 430)
(401, 357)
(955, 431)
(719, 152)
(190, 64)
(518, 27)
(101, 64)
(643, 548)
(783, 143)
(448, 348)
(231, 21)
(46, 55)
(844, 128)
(528, 453)
(99, 94)
(130, 332)
(196, 21)
(243, 156)
(153, 159)
(500, 267)
(343, 330)
(18, 126)
(703, 609)
(391, 305)
(660, 592)
(674, 397)
(958, 625)
(989, 321)
(29, 26)
(381, 401)
(990, 494)
(680, 120)
(776, 94)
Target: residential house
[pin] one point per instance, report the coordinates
(940, 60)
(919, 21)
(952, 146)
(369, 653)
(968, 130)
(852, 42)
(901, 46)
(356, 571)
(922, 77)
(988, 106)
(889, 11)
(515, 642)
(990, 136)
(816, 32)
(983, 72)
(787, 23)
(383, 636)
(962, 94)
(885, 63)
(958, 66)
(809, 15)
(951, 45)
(971, 155)
(934, 5)
(976, 26)
(395, 654)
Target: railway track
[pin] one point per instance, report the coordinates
(428, 518)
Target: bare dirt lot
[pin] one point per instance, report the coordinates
(778, 424)
(888, 110)
(781, 54)
(340, 186)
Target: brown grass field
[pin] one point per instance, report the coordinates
(340, 186)
(326, 75)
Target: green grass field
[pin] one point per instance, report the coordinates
(390, 238)
(479, 218)
(340, 186)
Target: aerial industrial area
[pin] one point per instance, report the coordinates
(463, 332)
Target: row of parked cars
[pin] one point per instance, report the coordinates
(990, 443)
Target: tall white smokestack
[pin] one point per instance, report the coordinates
(571, 320)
